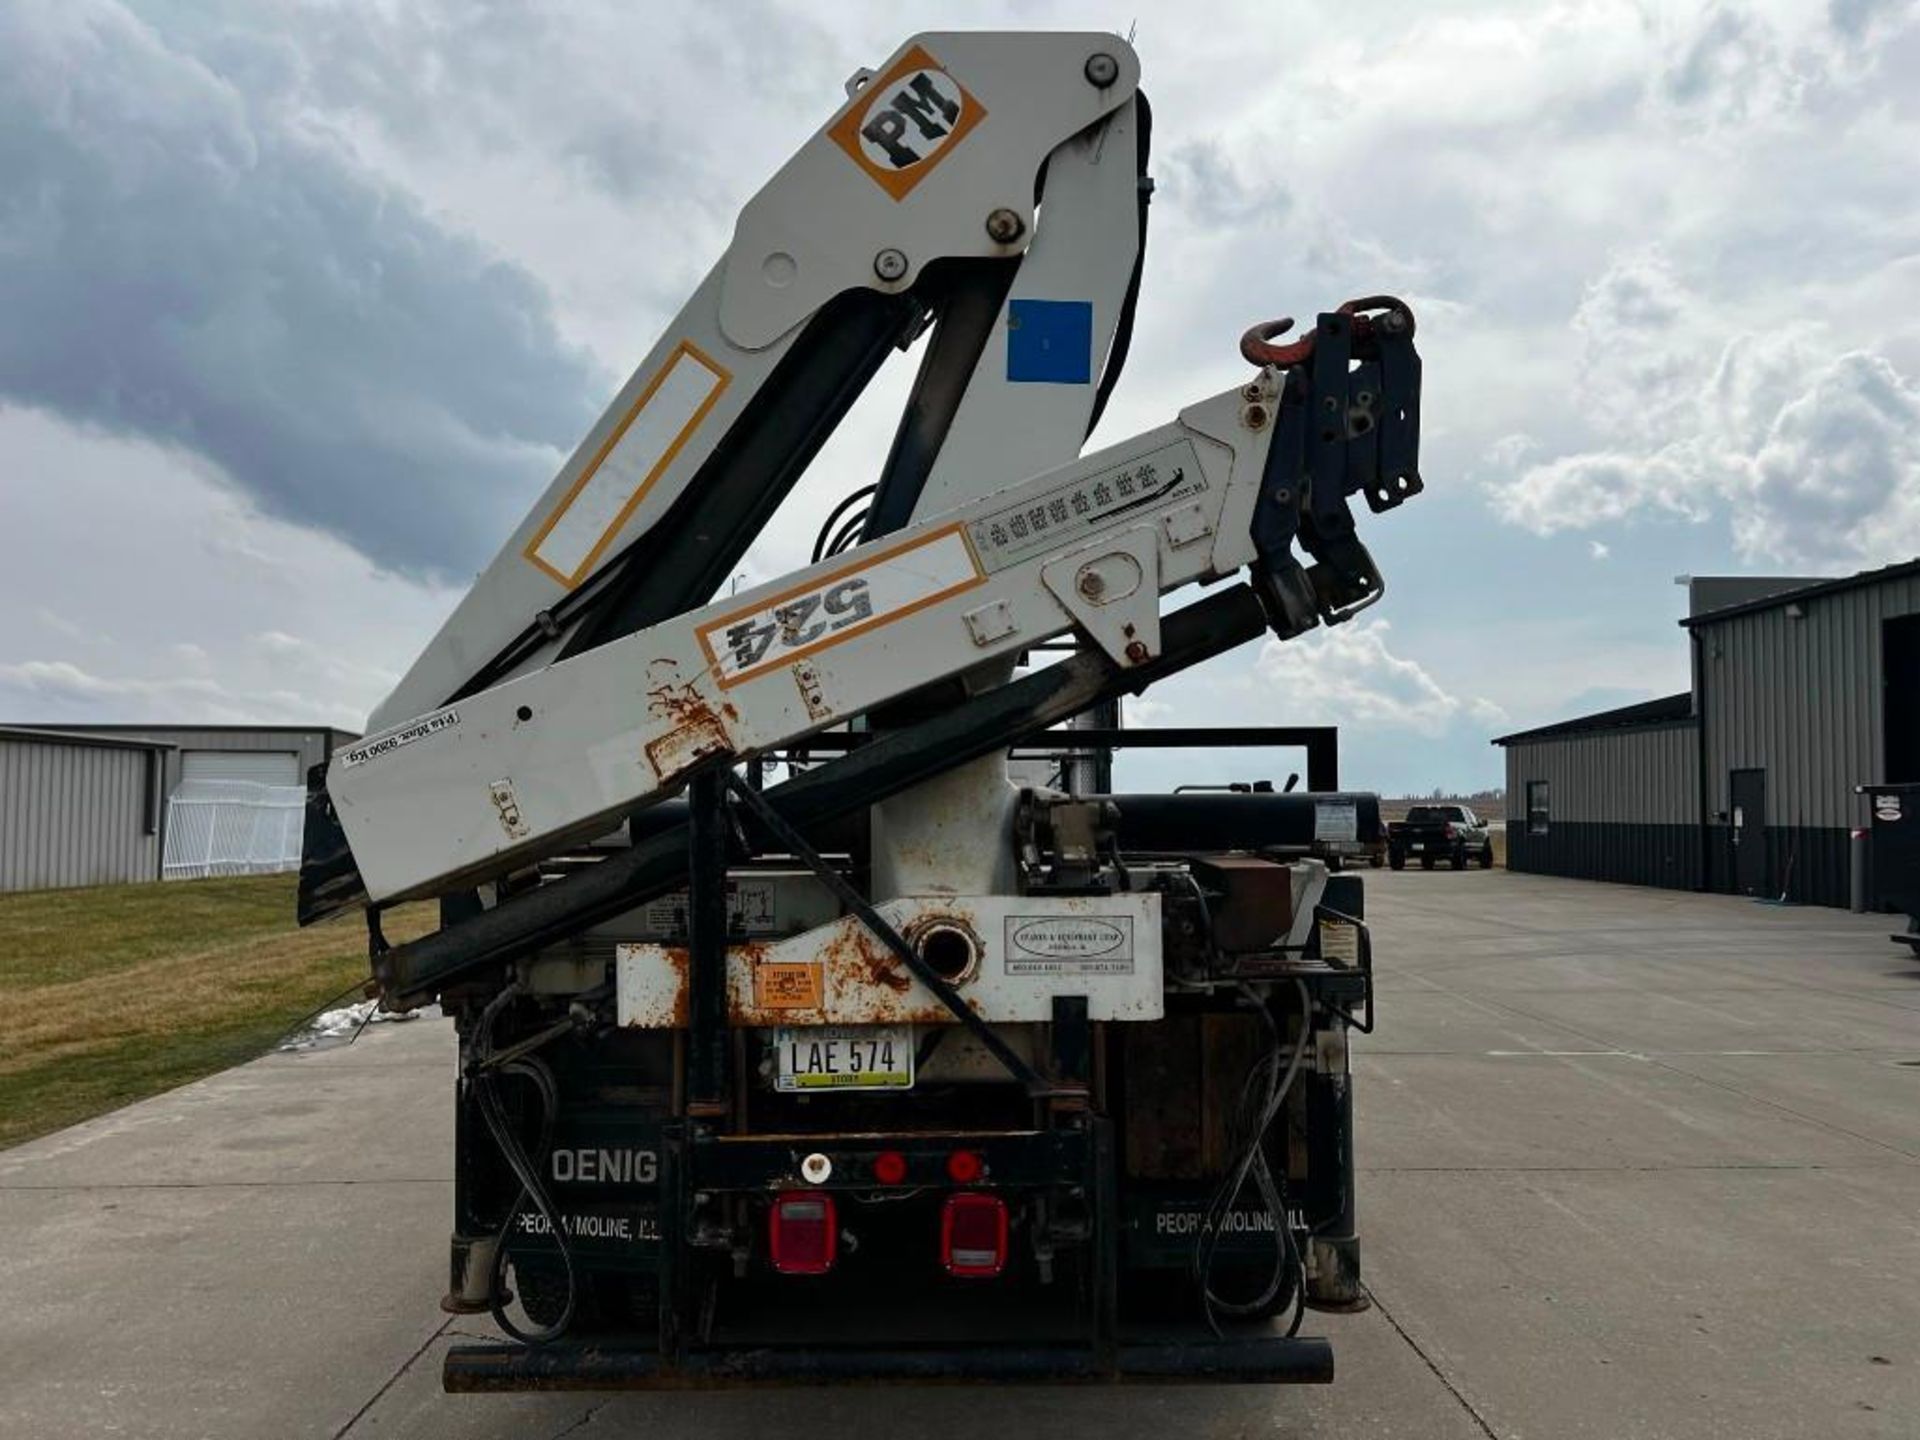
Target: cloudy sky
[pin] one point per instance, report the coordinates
(301, 305)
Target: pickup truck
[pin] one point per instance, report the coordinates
(1431, 832)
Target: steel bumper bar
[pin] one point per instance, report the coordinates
(1263, 1360)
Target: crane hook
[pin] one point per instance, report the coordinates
(1386, 312)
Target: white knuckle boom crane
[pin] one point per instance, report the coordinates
(893, 1070)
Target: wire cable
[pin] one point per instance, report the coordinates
(484, 1076)
(1276, 1078)
(821, 548)
(850, 532)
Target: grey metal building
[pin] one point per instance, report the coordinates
(264, 754)
(1745, 784)
(79, 809)
(93, 804)
(1613, 796)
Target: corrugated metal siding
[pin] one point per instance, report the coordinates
(74, 815)
(1644, 776)
(261, 767)
(1802, 700)
(1665, 855)
(310, 745)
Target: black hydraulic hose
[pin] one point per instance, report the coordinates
(850, 532)
(822, 545)
(1123, 326)
(531, 1188)
(483, 1075)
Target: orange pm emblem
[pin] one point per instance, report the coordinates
(906, 121)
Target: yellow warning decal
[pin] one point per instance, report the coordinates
(787, 985)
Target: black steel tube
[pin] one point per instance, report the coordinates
(1219, 820)
(708, 1043)
(1266, 1360)
(898, 760)
(1321, 742)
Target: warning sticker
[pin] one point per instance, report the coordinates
(787, 985)
(1339, 942)
(1087, 503)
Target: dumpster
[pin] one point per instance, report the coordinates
(1896, 854)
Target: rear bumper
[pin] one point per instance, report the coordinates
(1261, 1360)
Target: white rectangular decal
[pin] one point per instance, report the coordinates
(840, 604)
(1091, 502)
(1069, 945)
(750, 911)
(617, 478)
(1336, 820)
(386, 744)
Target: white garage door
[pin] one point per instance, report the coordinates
(262, 767)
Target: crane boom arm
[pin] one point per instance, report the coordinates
(520, 770)
(919, 195)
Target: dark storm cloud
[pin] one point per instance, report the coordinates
(182, 262)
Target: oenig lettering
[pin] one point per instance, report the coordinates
(605, 1167)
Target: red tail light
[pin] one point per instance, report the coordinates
(889, 1167)
(1449, 832)
(973, 1235)
(803, 1232)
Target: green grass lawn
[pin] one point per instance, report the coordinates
(113, 993)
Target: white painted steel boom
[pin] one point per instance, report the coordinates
(589, 671)
(976, 117)
(520, 770)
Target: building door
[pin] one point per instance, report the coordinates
(262, 767)
(1900, 682)
(1749, 831)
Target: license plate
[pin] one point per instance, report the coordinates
(1416, 847)
(843, 1057)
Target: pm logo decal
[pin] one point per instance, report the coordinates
(906, 121)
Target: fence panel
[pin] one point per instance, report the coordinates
(232, 827)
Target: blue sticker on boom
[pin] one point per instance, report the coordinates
(1050, 342)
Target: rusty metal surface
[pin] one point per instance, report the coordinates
(1252, 900)
(861, 981)
(699, 725)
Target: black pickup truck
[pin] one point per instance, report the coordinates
(1434, 832)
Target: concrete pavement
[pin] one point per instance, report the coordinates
(1634, 1164)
